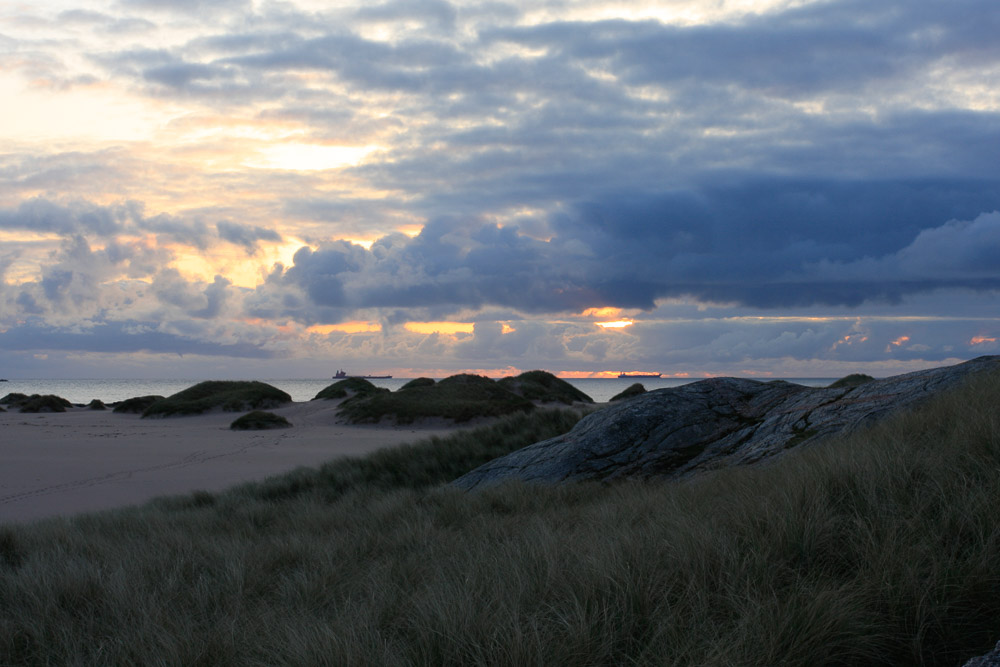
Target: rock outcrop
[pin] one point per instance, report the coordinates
(991, 659)
(714, 423)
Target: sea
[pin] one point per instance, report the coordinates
(82, 391)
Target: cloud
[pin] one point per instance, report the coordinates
(959, 252)
(42, 215)
(761, 244)
(245, 235)
(120, 338)
(187, 6)
(436, 13)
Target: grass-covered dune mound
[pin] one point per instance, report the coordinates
(544, 387)
(459, 398)
(259, 420)
(13, 398)
(632, 390)
(852, 380)
(418, 382)
(879, 549)
(37, 402)
(137, 404)
(348, 387)
(225, 395)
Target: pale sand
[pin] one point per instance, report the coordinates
(81, 460)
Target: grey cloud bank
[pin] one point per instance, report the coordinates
(831, 160)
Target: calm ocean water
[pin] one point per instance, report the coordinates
(83, 391)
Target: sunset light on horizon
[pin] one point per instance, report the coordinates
(277, 189)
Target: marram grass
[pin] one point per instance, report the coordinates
(879, 549)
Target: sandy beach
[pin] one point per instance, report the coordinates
(83, 460)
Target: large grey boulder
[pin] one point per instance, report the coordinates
(991, 659)
(714, 423)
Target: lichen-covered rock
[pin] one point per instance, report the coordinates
(713, 423)
(991, 659)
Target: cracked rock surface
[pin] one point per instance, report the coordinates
(714, 423)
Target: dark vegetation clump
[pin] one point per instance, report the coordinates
(225, 395)
(136, 405)
(348, 387)
(458, 398)
(544, 387)
(258, 420)
(44, 403)
(853, 380)
(96, 404)
(635, 390)
(13, 398)
(417, 382)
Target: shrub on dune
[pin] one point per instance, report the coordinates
(852, 380)
(137, 405)
(544, 387)
(258, 420)
(458, 398)
(225, 395)
(348, 387)
(417, 382)
(635, 390)
(44, 403)
(13, 398)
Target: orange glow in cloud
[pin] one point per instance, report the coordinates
(601, 312)
(354, 327)
(979, 340)
(410, 230)
(900, 341)
(618, 324)
(448, 328)
(506, 328)
(260, 322)
(850, 339)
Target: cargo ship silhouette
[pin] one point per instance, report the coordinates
(340, 375)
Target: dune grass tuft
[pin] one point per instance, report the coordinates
(259, 420)
(544, 387)
(13, 398)
(348, 387)
(137, 404)
(418, 382)
(227, 395)
(636, 389)
(882, 548)
(852, 380)
(43, 403)
(459, 398)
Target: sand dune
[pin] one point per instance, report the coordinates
(82, 460)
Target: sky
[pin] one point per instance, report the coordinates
(279, 189)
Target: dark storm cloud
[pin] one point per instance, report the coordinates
(821, 46)
(119, 337)
(764, 244)
(245, 235)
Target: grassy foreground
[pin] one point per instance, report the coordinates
(879, 549)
